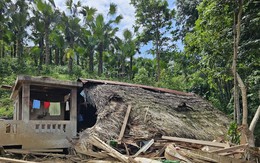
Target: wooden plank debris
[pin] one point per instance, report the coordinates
(102, 145)
(161, 151)
(145, 147)
(89, 152)
(201, 142)
(11, 160)
(145, 160)
(124, 124)
(172, 154)
(230, 149)
(26, 152)
(219, 158)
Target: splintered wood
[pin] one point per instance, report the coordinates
(153, 151)
(124, 124)
(169, 148)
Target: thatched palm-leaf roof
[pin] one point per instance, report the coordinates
(153, 114)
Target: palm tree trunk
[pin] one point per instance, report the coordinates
(91, 61)
(1, 44)
(41, 46)
(51, 55)
(118, 65)
(131, 67)
(70, 65)
(123, 67)
(100, 60)
(57, 56)
(19, 49)
(3, 50)
(71, 43)
(47, 46)
(158, 62)
(77, 59)
(61, 56)
(157, 56)
(14, 50)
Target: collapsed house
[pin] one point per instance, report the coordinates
(48, 113)
(154, 112)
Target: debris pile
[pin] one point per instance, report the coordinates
(132, 123)
(167, 149)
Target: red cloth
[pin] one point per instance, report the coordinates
(46, 105)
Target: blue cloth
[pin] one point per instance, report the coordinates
(36, 104)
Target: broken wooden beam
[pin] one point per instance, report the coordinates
(201, 142)
(230, 149)
(111, 151)
(172, 154)
(124, 124)
(145, 147)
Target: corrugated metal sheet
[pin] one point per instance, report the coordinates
(164, 90)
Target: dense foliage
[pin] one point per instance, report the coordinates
(84, 43)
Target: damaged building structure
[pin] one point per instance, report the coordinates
(48, 113)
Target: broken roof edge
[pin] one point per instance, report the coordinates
(156, 89)
(42, 80)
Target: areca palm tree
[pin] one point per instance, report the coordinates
(72, 30)
(128, 50)
(19, 18)
(102, 32)
(105, 33)
(37, 37)
(47, 15)
(3, 25)
(89, 40)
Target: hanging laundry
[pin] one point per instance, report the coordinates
(67, 106)
(46, 104)
(36, 104)
(54, 108)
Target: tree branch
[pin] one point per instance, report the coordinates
(255, 120)
(244, 99)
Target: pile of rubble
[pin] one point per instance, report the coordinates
(166, 149)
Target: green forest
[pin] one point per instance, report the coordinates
(219, 60)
